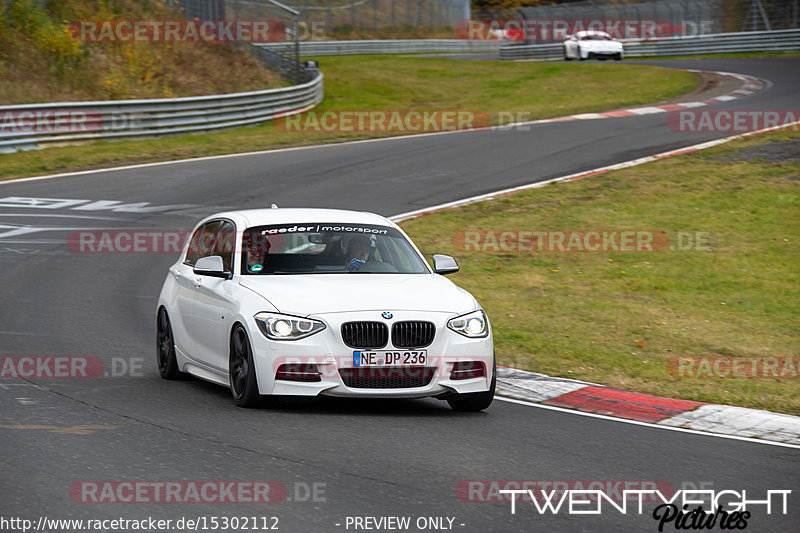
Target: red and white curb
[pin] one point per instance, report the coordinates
(698, 416)
(751, 86)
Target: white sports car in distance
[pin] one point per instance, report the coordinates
(308, 302)
(592, 44)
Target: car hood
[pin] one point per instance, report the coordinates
(603, 45)
(315, 294)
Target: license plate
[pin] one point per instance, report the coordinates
(387, 358)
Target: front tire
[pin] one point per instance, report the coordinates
(242, 371)
(475, 401)
(618, 57)
(165, 348)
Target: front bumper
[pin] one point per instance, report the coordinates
(332, 357)
(595, 53)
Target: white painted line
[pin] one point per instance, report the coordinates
(587, 116)
(6, 386)
(646, 110)
(725, 98)
(692, 104)
(734, 74)
(27, 401)
(647, 424)
(39, 215)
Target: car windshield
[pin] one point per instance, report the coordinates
(596, 37)
(328, 248)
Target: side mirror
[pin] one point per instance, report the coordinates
(444, 264)
(211, 266)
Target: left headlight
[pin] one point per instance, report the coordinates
(472, 325)
(287, 328)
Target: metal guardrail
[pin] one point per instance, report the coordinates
(765, 41)
(533, 51)
(395, 46)
(128, 119)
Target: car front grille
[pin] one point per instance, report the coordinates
(387, 377)
(412, 334)
(365, 334)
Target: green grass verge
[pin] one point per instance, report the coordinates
(393, 83)
(618, 318)
(718, 56)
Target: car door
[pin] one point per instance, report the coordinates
(570, 46)
(213, 303)
(189, 322)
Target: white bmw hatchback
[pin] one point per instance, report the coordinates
(309, 302)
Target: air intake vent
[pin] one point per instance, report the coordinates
(365, 334)
(387, 377)
(412, 334)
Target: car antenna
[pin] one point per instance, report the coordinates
(273, 206)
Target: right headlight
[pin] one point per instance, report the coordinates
(473, 325)
(287, 328)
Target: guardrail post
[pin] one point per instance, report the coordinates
(296, 52)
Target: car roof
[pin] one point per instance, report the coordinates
(292, 215)
(591, 32)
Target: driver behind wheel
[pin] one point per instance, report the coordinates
(257, 250)
(358, 250)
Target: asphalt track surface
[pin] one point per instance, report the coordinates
(392, 458)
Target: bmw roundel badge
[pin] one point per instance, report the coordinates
(387, 315)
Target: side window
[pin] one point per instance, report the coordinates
(202, 242)
(226, 241)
